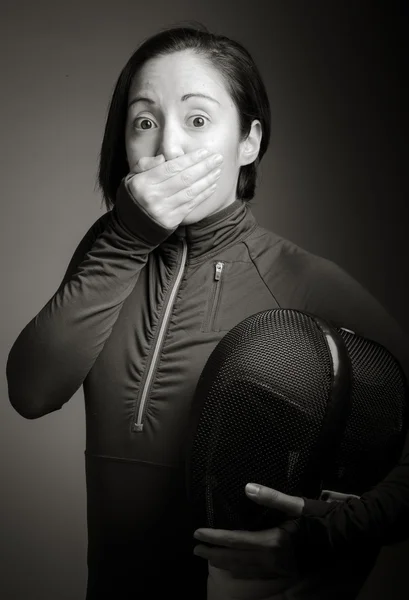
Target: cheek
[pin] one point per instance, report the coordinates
(229, 151)
(137, 146)
(230, 168)
(229, 175)
(224, 142)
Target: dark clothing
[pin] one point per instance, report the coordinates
(134, 320)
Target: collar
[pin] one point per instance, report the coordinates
(216, 231)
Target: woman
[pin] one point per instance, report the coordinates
(177, 260)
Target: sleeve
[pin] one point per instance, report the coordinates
(381, 515)
(55, 351)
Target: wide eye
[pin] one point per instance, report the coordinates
(198, 121)
(144, 123)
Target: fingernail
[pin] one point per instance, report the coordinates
(218, 159)
(203, 153)
(252, 489)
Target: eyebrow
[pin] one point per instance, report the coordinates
(183, 98)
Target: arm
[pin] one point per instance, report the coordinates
(316, 531)
(316, 285)
(382, 514)
(54, 353)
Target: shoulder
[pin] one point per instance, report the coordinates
(288, 267)
(85, 245)
(304, 281)
(98, 226)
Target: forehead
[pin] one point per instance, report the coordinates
(181, 73)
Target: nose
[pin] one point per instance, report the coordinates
(171, 143)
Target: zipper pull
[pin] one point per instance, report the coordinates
(218, 270)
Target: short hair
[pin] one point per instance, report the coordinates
(244, 83)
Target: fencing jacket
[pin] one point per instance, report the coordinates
(136, 316)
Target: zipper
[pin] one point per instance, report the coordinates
(138, 420)
(215, 297)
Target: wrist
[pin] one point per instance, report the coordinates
(136, 220)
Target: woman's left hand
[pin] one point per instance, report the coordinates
(255, 554)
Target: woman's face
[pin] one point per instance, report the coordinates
(173, 118)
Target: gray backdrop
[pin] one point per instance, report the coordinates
(334, 181)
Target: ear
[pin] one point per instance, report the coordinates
(250, 147)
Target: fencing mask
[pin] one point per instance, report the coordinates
(289, 401)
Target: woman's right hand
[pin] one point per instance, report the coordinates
(169, 190)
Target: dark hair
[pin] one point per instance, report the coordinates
(244, 83)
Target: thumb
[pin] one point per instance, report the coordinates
(289, 505)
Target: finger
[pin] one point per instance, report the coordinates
(147, 162)
(216, 560)
(226, 538)
(196, 192)
(290, 505)
(242, 540)
(180, 173)
(331, 496)
(228, 559)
